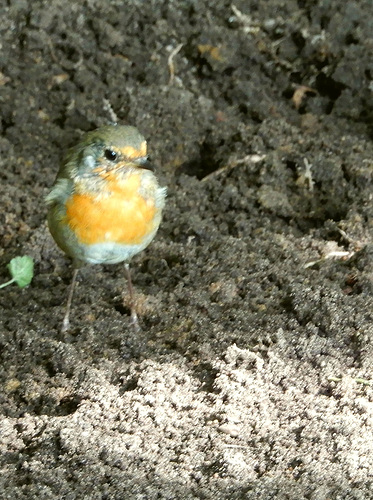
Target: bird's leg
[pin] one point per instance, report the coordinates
(66, 319)
(134, 317)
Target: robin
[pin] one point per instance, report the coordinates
(106, 204)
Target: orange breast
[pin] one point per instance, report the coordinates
(123, 216)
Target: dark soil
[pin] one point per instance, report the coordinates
(252, 376)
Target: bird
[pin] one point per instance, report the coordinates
(106, 204)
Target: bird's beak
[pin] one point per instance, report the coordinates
(145, 163)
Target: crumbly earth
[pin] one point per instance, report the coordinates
(252, 376)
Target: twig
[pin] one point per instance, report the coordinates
(246, 21)
(336, 254)
(108, 107)
(358, 380)
(308, 174)
(170, 62)
(254, 158)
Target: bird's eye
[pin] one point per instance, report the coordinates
(110, 154)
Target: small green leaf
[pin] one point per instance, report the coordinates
(22, 270)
